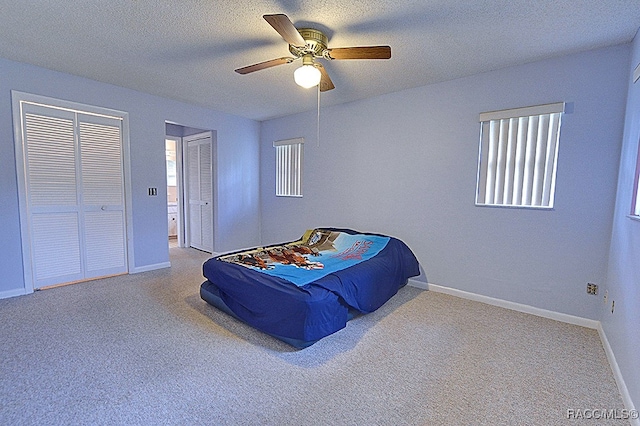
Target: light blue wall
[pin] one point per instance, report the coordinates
(622, 327)
(405, 164)
(238, 215)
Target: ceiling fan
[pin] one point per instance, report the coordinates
(311, 44)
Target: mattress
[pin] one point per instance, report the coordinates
(304, 290)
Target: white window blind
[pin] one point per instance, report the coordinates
(289, 167)
(517, 156)
(635, 206)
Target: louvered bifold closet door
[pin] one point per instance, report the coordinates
(75, 194)
(206, 187)
(102, 183)
(200, 191)
(193, 188)
(52, 196)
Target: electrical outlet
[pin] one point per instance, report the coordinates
(592, 288)
(613, 305)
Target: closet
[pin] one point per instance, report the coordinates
(199, 190)
(72, 192)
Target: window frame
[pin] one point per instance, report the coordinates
(635, 200)
(517, 162)
(289, 160)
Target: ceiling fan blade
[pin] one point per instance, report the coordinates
(325, 82)
(283, 25)
(264, 65)
(371, 52)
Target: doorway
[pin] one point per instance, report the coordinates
(192, 217)
(173, 146)
(198, 155)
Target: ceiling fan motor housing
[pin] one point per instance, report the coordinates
(316, 43)
(308, 44)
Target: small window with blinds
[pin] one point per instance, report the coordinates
(635, 205)
(289, 167)
(517, 156)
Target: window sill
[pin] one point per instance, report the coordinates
(509, 206)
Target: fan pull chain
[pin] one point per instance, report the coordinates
(318, 121)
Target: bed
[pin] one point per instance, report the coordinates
(304, 290)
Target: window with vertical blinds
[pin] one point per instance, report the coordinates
(635, 205)
(289, 167)
(517, 156)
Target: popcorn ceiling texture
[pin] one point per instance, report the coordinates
(188, 50)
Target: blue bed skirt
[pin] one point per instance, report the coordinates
(210, 294)
(302, 315)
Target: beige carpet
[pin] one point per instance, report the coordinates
(145, 349)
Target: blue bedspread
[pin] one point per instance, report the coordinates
(312, 308)
(318, 253)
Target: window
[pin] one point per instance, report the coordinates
(517, 156)
(289, 167)
(635, 206)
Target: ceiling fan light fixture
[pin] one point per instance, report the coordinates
(307, 76)
(309, 44)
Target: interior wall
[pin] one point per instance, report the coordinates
(405, 164)
(237, 164)
(622, 327)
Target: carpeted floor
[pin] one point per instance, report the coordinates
(144, 349)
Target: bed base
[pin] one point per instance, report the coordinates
(211, 296)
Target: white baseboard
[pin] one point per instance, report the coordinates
(570, 319)
(148, 268)
(617, 374)
(12, 293)
(418, 284)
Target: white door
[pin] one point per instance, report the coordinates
(52, 195)
(199, 194)
(74, 194)
(102, 182)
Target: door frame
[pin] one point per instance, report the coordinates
(185, 193)
(179, 189)
(18, 99)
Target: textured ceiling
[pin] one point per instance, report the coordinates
(188, 50)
